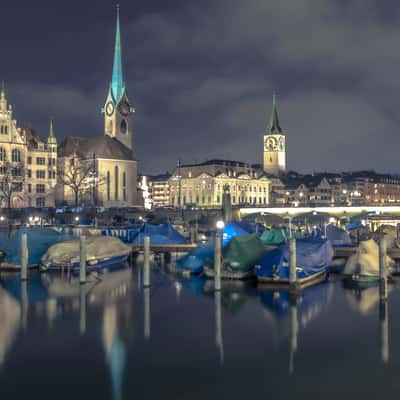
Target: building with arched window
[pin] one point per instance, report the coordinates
(27, 160)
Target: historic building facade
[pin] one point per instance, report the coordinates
(28, 164)
(107, 160)
(202, 185)
(274, 145)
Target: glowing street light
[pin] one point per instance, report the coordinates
(220, 225)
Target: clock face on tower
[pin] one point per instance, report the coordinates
(124, 108)
(270, 144)
(110, 108)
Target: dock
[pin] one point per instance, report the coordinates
(345, 252)
(165, 248)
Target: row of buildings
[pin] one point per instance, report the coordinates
(269, 184)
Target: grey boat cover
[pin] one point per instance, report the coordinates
(97, 247)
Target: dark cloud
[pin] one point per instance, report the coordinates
(201, 76)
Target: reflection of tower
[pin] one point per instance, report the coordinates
(274, 145)
(114, 349)
(218, 325)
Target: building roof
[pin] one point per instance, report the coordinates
(226, 163)
(273, 126)
(32, 137)
(101, 146)
(117, 81)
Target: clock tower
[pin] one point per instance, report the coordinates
(118, 110)
(274, 145)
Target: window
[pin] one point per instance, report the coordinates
(15, 155)
(40, 174)
(124, 185)
(16, 172)
(29, 173)
(4, 129)
(29, 188)
(42, 161)
(40, 202)
(40, 188)
(116, 177)
(29, 160)
(17, 187)
(123, 127)
(3, 154)
(108, 186)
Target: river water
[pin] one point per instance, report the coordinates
(113, 339)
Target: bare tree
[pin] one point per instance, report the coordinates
(12, 177)
(79, 175)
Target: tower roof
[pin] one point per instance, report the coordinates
(51, 139)
(273, 125)
(117, 81)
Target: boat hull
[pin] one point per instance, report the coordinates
(209, 272)
(301, 283)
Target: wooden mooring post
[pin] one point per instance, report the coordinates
(217, 261)
(382, 269)
(146, 265)
(292, 265)
(83, 257)
(24, 256)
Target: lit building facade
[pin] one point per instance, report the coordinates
(28, 164)
(202, 185)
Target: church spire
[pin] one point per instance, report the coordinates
(3, 91)
(117, 82)
(273, 126)
(51, 139)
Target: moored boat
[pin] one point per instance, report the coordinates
(238, 258)
(101, 251)
(312, 264)
(362, 268)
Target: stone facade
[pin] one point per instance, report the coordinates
(202, 185)
(27, 163)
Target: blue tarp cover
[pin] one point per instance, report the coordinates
(337, 236)
(194, 260)
(39, 240)
(312, 256)
(231, 230)
(159, 234)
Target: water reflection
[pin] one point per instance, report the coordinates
(10, 317)
(218, 326)
(114, 349)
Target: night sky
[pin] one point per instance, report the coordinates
(201, 75)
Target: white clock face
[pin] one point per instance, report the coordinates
(281, 144)
(270, 144)
(109, 108)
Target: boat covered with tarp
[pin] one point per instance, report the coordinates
(238, 257)
(337, 236)
(101, 251)
(194, 260)
(231, 230)
(164, 234)
(362, 267)
(312, 263)
(38, 239)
